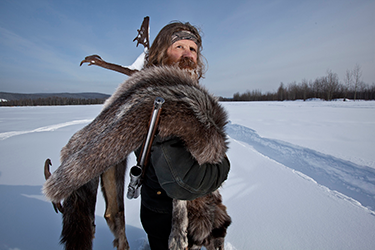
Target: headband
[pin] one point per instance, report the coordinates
(184, 35)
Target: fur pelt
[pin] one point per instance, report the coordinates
(189, 112)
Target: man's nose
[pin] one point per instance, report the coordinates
(187, 53)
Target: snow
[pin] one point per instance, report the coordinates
(302, 176)
(139, 62)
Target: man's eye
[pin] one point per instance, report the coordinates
(193, 49)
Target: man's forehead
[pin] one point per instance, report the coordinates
(185, 42)
(184, 35)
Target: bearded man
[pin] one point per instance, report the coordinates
(177, 44)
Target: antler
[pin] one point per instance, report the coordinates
(47, 174)
(142, 38)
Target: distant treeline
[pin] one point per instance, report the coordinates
(303, 91)
(53, 101)
(327, 88)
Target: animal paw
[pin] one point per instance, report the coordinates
(178, 242)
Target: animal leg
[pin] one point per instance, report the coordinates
(215, 244)
(221, 223)
(178, 237)
(201, 217)
(112, 182)
(208, 222)
(79, 217)
(218, 244)
(97, 60)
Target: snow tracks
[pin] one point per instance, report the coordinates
(355, 182)
(54, 127)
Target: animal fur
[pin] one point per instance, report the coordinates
(79, 217)
(189, 112)
(200, 222)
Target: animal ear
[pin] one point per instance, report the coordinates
(143, 36)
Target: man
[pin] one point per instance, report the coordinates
(187, 161)
(180, 45)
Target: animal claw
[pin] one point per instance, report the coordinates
(93, 59)
(57, 206)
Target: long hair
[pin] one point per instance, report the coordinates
(157, 55)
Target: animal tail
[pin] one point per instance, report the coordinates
(79, 217)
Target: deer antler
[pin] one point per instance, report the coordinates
(142, 38)
(57, 206)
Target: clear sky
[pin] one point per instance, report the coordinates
(248, 44)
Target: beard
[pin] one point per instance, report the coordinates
(185, 63)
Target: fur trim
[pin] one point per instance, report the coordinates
(189, 113)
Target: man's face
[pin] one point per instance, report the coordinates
(183, 53)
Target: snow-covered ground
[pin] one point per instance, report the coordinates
(302, 177)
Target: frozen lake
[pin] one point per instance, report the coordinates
(302, 176)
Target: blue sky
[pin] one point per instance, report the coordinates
(248, 44)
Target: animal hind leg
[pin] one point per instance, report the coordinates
(221, 222)
(79, 217)
(178, 237)
(112, 182)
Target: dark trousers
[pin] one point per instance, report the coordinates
(157, 226)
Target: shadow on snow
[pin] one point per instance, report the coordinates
(30, 223)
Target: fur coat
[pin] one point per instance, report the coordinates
(189, 113)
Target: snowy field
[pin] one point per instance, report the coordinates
(302, 177)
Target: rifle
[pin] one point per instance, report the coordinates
(137, 172)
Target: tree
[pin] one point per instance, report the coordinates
(305, 89)
(348, 80)
(331, 84)
(292, 91)
(357, 74)
(327, 87)
(281, 92)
